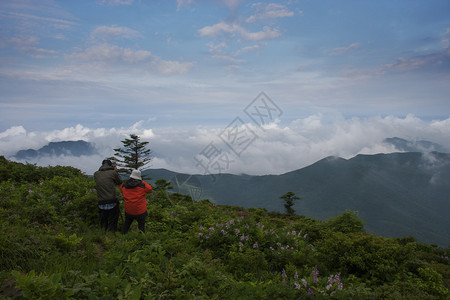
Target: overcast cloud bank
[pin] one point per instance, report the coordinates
(275, 149)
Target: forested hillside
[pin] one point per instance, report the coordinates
(51, 248)
(396, 194)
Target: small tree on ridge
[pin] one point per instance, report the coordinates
(289, 199)
(133, 154)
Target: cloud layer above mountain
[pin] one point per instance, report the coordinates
(274, 148)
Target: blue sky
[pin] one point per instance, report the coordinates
(183, 70)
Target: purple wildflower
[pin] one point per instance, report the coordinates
(297, 285)
(283, 273)
(310, 291)
(315, 272)
(255, 245)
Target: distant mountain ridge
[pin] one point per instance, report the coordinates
(397, 194)
(67, 148)
(415, 146)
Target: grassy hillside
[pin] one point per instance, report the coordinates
(398, 194)
(51, 248)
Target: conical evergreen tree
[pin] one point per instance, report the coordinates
(289, 199)
(133, 155)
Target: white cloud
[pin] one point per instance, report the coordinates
(169, 67)
(232, 29)
(269, 11)
(438, 60)
(277, 149)
(115, 2)
(109, 32)
(181, 3)
(343, 50)
(111, 53)
(232, 4)
(12, 132)
(28, 45)
(446, 39)
(125, 60)
(57, 23)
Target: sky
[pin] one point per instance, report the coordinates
(224, 86)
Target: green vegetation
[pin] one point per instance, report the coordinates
(132, 155)
(51, 248)
(289, 199)
(396, 194)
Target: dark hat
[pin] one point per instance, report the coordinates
(107, 162)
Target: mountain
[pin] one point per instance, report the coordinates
(70, 148)
(397, 194)
(415, 146)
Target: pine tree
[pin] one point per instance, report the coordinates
(289, 198)
(133, 155)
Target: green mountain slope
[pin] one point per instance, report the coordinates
(398, 194)
(52, 247)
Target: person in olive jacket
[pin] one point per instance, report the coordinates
(106, 179)
(134, 191)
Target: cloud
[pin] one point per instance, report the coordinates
(27, 44)
(111, 53)
(218, 52)
(266, 11)
(115, 2)
(343, 50)
(437, 60)
(232, 29)
(181, 3)
(169, 67)
(113, 57)
(236, 30)
(230, 4)
(57, 23)
(111, 32)
(446, 39)
(434, 61)
(277, 149)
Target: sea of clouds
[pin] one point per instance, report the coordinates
(275, 148)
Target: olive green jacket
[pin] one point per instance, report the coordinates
(106, 179)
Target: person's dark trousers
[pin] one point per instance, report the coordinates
(129, 219)
(109, 218)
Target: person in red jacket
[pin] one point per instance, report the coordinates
(134, 191)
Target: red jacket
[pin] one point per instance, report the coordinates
(134, 192)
